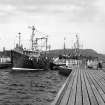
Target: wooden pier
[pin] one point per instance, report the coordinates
(82, 87)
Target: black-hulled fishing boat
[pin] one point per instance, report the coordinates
(33, 59)
(29, 61)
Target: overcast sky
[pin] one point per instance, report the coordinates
(56, 18)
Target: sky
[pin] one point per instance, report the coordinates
(55, 18)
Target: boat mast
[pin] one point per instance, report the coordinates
(46, 43)
(77, 42)
(32, 37)
(77, 49)
(19, 36)
(64, 50)
(34, 42)
(77, 45)
(64, 46)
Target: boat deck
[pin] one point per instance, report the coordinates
(82, 87)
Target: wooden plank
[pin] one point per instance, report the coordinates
(79, 92)
(86, 100)
(67, 94)
(63, 89)
(101, 76)
(95, 91)
(100, 79)
(97, 84)
(92, 97)
(72, 97)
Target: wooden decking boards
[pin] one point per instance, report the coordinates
(83, 87)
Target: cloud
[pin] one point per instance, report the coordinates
(7, 8)
(70, 11)
(79, 7)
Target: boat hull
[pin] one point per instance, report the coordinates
(55, 66)
(64, 70)
(20, 60)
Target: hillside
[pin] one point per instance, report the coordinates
(85, 52)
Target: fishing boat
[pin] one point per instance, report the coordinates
(64, 70)
(56, 63)
(30, 59)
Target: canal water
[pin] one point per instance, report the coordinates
(29, 88)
